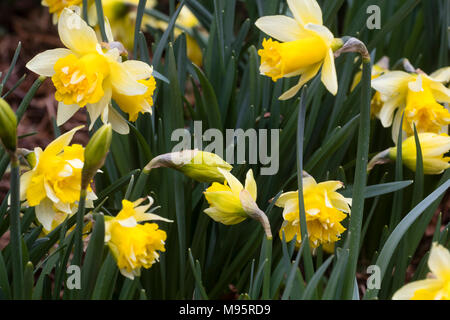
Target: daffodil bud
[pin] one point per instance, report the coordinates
(8, 126)
(95, 153)
(434, 147)
(198, 165)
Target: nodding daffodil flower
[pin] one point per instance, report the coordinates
(324, 209)
(55, 7)
(186, 20)
(122, 17)
(437, 286)
(381, 67)
(134, 245)
(417, 95)
(305, 46)
(199, 165)
(231, 203)
(434, 147)
(85, 74)
(53, 185)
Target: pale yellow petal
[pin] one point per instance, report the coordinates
(57, 145)
(250, 184)
(75, 34)
(43, 63)
(96, 109)
(65, 112)
(235, 184)
(138, 70)
(329, 77)
(439, 261)
(118, 123)
(45, 213)
(322, 31)
(304, 78)
(224, 217)
(281, 28)
(123, 82)
(392, 83)
(407, 291)
(306, 11)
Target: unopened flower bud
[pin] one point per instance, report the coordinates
(8, 127)
(95, 153)
(198, 165)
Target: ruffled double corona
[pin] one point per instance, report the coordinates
(324, 208)
(132, 244)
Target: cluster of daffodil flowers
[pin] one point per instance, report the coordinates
(413, 99)
(92, 74)
(88, 73)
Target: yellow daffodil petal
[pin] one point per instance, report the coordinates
(123, 82)
(43, 63)
(226, 218)
(96, 109)
(392, 83)
(233, 182)
(329, 77)
(306, 11)
(65, 112)
(250, 184)
(439, 261)
(441, 75)
(281, 28)
(57, 145)
(75, 34)
(45, 214)
(305, 77)
(137, 69)
(408, 291)
(118, 123)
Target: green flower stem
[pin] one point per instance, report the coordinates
(267, 268)
(78, 251)
(16, 242)
(360, 180)
(309, 267)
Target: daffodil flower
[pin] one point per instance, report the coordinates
(417, 95)
(381, 67)
(186, 20)
(55, 7)
(85, 74)
(132, 244)
(434, 147)
(303, 46)
(53, 185)
(437, 286)
(231, 203)
(324, 208)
